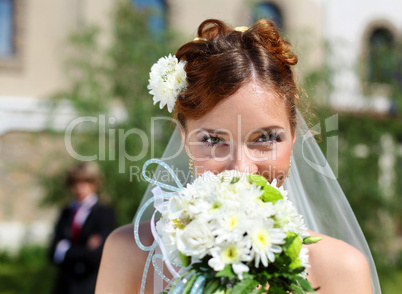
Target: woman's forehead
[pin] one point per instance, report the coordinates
(251, 107)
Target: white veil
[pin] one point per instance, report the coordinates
(312, 187)
(317, 195)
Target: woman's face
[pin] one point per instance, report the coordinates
(249, 132)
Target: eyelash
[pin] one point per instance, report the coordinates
(272, 138)
(207, 138)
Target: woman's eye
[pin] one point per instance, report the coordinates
(272, 137)
(211, 140)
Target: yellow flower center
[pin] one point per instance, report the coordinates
(262, 240)
(233, 222)
(230, 254)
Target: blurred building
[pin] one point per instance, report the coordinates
(33, 37)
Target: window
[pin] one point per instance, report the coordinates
(6, 28)
(268, 11)
(381, 56)
(157, 13)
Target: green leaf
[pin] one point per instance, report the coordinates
(235, 180)
(245, 286)
(311, 240)
(298, 270)
(189, 284)
(277, 290)
(258, 180)
(305, 284)
(289, 240)
(227, 272)
(185, 260)
(271, 194)
(293, 250)
(258, 291)
(211, 286)
(221, 290)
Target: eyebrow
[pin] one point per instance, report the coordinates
(255, 131)
(212, 131)
(268, 129)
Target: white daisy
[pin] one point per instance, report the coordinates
(289, 219)
(167, 80)
(266, 241)
(234, 253)
(304, 261)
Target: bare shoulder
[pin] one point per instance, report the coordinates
(123, 237)
(123, 261)
(337, 267)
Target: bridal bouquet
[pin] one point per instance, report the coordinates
(235, 233)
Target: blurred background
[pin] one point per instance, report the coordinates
(66, 59)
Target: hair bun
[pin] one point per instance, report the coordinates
(266, 33)
(210, 28)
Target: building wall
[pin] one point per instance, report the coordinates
(302, 22)
(26, 79)
(347, 26)
(44, 26)
(24, 158)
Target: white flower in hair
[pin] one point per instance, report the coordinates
(166, 80)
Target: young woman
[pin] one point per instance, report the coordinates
(238, 111)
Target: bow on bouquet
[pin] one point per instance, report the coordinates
(235, 233)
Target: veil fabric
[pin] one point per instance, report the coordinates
(312, 186)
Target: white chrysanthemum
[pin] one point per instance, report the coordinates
(304, 257)
(266, 241)
(234, 253)
(304, 261)
(177, 213)
(289, 219)
(231, 225)
(166, 80)
(274, 184)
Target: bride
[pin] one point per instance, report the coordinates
(236, 107)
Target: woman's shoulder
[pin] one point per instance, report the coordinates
(123, 237)
(123, 261)
(332, 245)
(333, 261)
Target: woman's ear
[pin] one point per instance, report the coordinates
(294, 141)
(183, 136)
(184, 140)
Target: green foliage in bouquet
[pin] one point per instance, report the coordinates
(280, 265)
(280, 278)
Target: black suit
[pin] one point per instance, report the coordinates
(78, 271)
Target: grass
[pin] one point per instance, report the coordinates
(26, 272)
(391, 284)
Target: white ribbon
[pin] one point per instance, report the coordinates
(161, 206)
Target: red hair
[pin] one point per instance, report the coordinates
(222, 60)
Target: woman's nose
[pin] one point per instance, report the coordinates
(242, 161)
